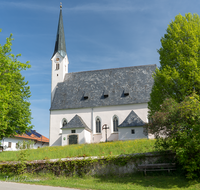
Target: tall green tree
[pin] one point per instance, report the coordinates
(15, 114)
(179, 71)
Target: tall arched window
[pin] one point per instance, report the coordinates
(115, 124)
(64, 122)
(57, 66)
(98, 125)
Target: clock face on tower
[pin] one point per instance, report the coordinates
(57, 59)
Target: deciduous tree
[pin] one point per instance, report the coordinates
(174, 108)
(179, 71)
(15, 114)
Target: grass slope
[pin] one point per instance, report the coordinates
(155, 181)
(100, 149)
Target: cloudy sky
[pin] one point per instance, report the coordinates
(99, 34)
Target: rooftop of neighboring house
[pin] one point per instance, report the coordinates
(33, 135)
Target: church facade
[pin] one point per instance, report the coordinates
(96, 106)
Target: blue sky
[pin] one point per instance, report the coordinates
(99, 34)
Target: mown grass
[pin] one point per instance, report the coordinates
(134, 181)
(100, 149)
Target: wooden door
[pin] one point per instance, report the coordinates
(73, 139)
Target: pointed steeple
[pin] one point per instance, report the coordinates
(60, 46)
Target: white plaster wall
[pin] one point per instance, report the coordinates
(87, 136)
(67, 132)
(56, 122)
(89, 116)
(16, 140)
(106, 114)
(125, 133)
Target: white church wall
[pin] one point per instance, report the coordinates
(87, 135)
(89, 116)
(125, 133)
(106, 115)
(56, 118)
(67, 132)
(96, 138)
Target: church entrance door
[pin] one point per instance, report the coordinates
(73, 139)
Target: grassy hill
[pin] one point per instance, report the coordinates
(100, 149)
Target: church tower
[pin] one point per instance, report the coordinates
(59, 59)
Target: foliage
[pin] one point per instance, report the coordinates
(21, 166)
(179, 72)
(15, 115)
(70, 167)
(25, 144)
(176, 127)
(96, 149)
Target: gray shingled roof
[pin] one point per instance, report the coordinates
(60, 46)
(138, 80)
(132, 120)
(76, 122)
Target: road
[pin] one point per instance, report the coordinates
(20, 186)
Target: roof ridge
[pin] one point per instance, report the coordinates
(109, 69)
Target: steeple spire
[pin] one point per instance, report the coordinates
(60, 46)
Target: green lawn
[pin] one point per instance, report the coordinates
(98, 149)
(135, 181)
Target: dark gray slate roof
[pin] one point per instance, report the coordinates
(76, 122)
(132, 120)
(60, 46)
(73, 92)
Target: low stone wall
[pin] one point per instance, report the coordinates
(117, 165)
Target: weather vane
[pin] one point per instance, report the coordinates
(61, 5)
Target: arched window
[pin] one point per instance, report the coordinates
(64, 122)
(57, 66)
(115, 124)
(98, 125)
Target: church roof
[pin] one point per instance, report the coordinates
(60, 46)
(132, 120)
(108, 87)
(76, 122)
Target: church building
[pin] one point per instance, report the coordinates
(99, 105)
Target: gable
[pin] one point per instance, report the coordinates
(132, 120)
(88, 89)
(76, 122)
